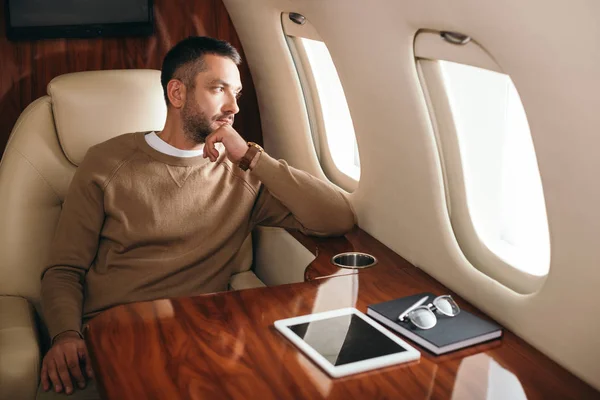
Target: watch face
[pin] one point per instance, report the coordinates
(256, 145)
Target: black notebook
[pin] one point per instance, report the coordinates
(449, 334)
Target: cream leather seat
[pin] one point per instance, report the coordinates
(46, 145)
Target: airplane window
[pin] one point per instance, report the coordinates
(337, 122)
(502, 182)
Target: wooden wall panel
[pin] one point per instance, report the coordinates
(26, 67)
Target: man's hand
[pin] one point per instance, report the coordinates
(234, 144)
(65, 363)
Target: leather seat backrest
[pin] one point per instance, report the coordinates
(47, 144)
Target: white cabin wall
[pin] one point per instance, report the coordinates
(550, 51)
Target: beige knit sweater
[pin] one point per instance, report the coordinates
(140, 225)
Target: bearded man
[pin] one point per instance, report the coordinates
(162, 214)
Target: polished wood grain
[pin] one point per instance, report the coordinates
(26, 67)
(224, 345)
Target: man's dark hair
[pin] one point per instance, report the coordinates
(186, 59)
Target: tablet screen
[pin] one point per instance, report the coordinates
(345, 339)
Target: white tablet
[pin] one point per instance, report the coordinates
(345, 341)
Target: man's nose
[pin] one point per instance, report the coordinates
(231, 106)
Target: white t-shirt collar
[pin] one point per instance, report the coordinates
(158, 144)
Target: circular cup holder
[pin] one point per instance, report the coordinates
(353, 260)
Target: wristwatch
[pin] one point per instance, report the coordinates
(253, 149)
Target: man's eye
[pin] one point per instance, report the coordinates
(219, 89)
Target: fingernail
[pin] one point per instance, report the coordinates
(81, 385)
(68, 390)
(57, 388)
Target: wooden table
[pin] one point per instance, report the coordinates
(224, 345)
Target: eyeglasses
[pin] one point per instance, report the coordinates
(423, 317)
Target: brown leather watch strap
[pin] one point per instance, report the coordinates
(244, 163)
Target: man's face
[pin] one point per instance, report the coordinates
(213, 100)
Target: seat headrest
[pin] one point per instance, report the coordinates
(91, 107)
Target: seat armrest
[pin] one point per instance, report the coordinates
(19, 349)
(278, 257)
(245, 280)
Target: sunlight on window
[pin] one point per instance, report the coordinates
(502, 180)
(339, 129)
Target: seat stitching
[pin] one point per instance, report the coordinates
(38, 172)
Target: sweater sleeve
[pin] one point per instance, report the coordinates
(290, 198)
(73, 250)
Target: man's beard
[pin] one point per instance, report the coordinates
(196, 125)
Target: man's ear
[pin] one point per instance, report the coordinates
(176, 91)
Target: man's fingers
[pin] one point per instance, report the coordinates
(72, 358)
(206, 145)
(209, 145)
(213, 152)
(84, 356)
(45, 380)
(53, 374)
(214, 155)
(209, 152)
(206, 149)
(63, 374)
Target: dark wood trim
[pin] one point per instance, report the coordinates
(28, 66)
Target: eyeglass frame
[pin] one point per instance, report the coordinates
(430, 307)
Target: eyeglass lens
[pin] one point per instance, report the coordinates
(446, 305)
(423, 318)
